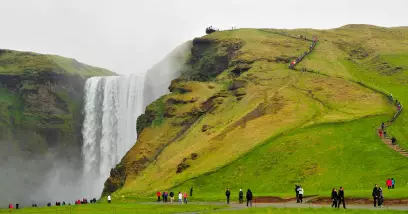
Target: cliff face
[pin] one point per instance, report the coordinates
(41, 98)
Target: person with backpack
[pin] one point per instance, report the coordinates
(341, 198)
(334, 197)
(171, 197)
(228, 194)
(158, 194)
(249, 197)
(241, 196)
(392, 183)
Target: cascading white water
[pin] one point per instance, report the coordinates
(112, 105)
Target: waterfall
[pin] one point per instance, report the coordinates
(112, 105)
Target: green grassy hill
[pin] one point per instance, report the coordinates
(239, 118)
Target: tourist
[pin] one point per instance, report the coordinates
(185, 197)
(241, 196)
(191, 191)
(180, 197)
(249, 197)
(341, 198)
(382, 126)
(228, 194)
(385, 134)
(393, 182)
(171, 197)
(393, 140)
(301, 194)
(109, 199)
(380, 197)
(158, 196)
(10, 206)
(380, 132)
(388, 183)
(375, 195)
(163, 196)
(334, 197)
(297, 193)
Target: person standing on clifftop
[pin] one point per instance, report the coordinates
(228, 194)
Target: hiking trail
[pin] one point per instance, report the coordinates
(386, 140)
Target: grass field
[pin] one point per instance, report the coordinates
(118, 208)
(305, 210)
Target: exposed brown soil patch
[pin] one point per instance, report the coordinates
(327, 200)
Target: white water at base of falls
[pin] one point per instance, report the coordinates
(112, 105)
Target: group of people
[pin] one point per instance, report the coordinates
(390, 183)
(182, 197)
(299, 193)
(249, 196)
(378, 196)
(382, 132)
(338, 198)
(311, 47)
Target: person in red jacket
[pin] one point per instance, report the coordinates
(185, 197)
(389, 183)
(10, 206)
(158, 196)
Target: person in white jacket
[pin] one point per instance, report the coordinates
(109, 199)
(180, 197)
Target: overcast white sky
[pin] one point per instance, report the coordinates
(129, 36)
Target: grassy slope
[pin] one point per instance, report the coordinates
(18, 63)
(322, 156)
(343, 166)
